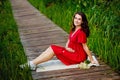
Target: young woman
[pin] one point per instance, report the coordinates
(76, 49)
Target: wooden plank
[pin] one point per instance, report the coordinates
(46, 38)
(76, 74)
(44, 42)
(38, 49)
(71, 72)
(50, 33)
(40, 31)
(32, 23)
(34, 27)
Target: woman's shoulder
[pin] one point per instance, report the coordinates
(81, 31)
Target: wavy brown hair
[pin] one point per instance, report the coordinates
(84, 25)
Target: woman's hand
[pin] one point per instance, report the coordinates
(70, 49)
(94, 62)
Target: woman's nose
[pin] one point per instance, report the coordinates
(76, 20)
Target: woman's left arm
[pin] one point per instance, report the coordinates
(85, 47)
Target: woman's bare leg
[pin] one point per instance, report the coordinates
(45, 56)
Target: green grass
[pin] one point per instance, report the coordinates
(103, 17)
(11, 50)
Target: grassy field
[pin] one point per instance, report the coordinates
(11, 50)
(103, 17)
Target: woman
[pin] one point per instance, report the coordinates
(76, 49)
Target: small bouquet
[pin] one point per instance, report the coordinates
(86, 64)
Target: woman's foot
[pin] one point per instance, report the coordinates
(29, 64)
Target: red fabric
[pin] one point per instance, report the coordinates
(75, 43)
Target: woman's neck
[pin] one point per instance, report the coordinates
(78, 27)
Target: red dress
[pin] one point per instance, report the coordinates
(75, 42)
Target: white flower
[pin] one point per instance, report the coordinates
(83, 65)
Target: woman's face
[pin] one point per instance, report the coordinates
(77, 20)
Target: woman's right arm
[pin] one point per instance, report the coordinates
(66, 46)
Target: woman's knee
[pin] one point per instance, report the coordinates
(50, 50)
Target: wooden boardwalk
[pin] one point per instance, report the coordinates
(37, 32)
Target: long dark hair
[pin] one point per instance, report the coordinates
(84, 25)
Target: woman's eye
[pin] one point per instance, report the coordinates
(75, 18)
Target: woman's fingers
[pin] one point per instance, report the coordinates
(69, 49)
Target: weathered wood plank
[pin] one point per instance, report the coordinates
(42, 42)
(72, 72)
(40, 26)
(44, 38)
(39, 31)
(50, 33)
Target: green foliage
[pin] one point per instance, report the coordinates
(11, 50)
(103, 17)
(87, 61)
(48, 3)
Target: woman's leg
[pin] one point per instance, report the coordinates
(45, 56)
